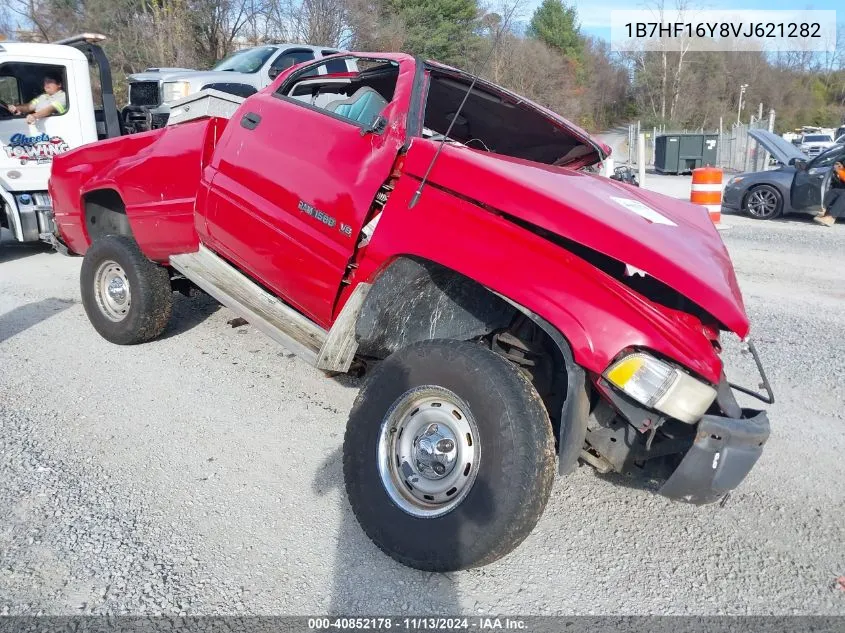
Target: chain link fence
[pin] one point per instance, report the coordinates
(736, 150)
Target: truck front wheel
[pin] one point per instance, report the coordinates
(127, 297)
(448, 456)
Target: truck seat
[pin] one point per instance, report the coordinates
(363, 106)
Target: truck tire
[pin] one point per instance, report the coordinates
(127, 297)
(448, 456)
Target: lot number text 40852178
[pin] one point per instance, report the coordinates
(416, 624)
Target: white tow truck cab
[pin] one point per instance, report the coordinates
(27, 150)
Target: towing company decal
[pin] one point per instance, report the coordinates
(40, 148)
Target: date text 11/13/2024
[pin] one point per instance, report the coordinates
(416, 624)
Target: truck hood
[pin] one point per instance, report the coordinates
(671, 240)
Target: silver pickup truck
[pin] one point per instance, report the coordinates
(242, 73)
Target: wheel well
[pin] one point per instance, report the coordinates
(105, 214)
(415, 300)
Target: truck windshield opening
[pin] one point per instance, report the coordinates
(496, 121)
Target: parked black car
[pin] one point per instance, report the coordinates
(797, 186)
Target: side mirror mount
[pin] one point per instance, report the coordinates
(799, 163)
(274, 72)
(378, 126)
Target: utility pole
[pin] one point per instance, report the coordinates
(719, 145)
(739, 108)
(653, 144)
(641, 157)
(639, 141)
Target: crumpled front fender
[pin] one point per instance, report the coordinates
(597, 315)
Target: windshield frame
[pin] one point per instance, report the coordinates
(245, 53)
(585, 151)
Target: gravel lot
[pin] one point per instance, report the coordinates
(201, 473)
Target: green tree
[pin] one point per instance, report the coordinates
(556, 25)
(437, 29)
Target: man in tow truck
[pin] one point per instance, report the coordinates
(52, 101)
(39, 83)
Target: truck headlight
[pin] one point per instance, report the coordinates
(172, 90)
(661, 386)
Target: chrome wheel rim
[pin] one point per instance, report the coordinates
(762, 203)
(111, 288)
(428, 451)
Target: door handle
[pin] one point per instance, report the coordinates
(250, 120)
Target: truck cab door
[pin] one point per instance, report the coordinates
(297, 176)
(807, 185)
(21, 81)
(27, 151)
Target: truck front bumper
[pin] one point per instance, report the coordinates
(144, 118)
(723, 453)
(29, 214)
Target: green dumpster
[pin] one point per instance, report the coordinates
(681, 153)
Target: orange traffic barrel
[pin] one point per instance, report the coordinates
(707, 191)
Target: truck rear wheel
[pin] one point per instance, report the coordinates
(127, 297)
(448, 456)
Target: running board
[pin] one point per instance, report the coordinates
(243, 296)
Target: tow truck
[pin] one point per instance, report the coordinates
(27, 151)
(515, 314)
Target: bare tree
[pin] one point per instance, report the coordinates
(7, 29)
(217, 25)
(371, 28)
(322, 21)
(325, 22)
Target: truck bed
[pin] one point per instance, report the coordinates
(156, 176)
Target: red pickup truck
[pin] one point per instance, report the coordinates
(517, 312)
